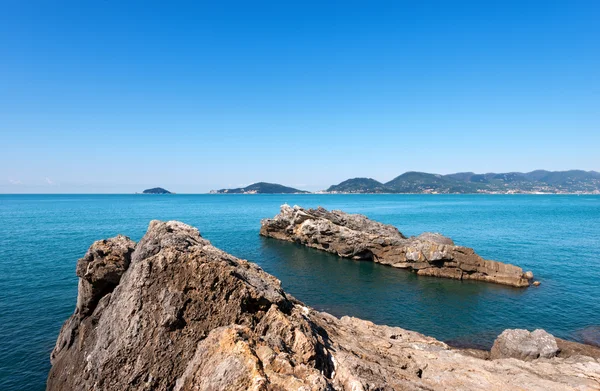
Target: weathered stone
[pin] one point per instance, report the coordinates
(100, 270)
(524, 345)
(355, 236)
(186, 316)
(420, 265)
(454, 273)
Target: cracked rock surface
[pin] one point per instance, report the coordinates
(185, 315)
(357, 237)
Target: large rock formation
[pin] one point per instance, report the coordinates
(355, 236)
(183, 315)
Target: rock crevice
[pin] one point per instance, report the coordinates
(357, 237)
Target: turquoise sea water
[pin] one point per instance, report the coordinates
(557, 237)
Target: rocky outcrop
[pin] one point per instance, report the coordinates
(100, 270)
(524, 345)
(185, 315)
(355, 236)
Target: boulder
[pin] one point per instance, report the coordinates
(355, 236)
(524, 345)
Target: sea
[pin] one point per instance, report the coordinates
(555, 236)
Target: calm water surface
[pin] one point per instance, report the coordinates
(557, 237)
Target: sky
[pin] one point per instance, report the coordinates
(118, 96)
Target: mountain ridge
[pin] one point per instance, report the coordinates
(537, 181)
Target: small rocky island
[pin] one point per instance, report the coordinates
(172, 312)
(261, 188)
(355, 236)
(156, 190)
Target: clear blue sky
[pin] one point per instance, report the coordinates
(116, 96)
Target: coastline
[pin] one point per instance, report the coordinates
(237, 315)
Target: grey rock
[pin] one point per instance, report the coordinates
(357, 237)
(524, 345)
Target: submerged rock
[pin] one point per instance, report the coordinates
(188, 316)
(590, 335)
(524, 345)
(357, 237)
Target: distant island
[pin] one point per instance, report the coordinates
(535, 182)
(156, 190)
(261, 188)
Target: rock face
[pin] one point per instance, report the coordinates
(524, 345)
(187, 316)
(100, 270)
(356, 237)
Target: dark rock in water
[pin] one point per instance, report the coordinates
(524, 345)
(355, 236)
(590, 335)
(156, 190)
(187, 316)
(478, 341)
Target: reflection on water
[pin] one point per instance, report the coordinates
(444, 308)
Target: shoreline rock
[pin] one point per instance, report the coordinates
(185, 315)
(357, 237)
(524, 345)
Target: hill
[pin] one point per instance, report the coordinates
(261, 188)
(359, 185)
(422, 182)
(539, 181)
(156, 190)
